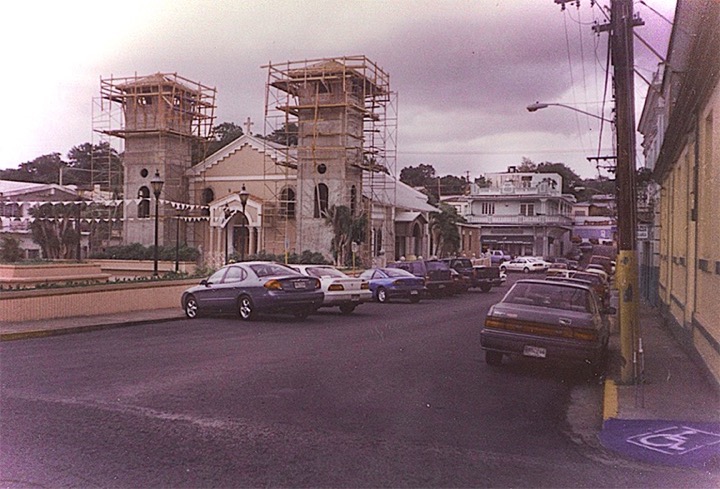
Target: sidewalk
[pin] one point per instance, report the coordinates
(673, 417)
(18, 330)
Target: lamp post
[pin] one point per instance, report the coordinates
(228, 213)
(543, 105)
(244, 194)
(177, 243)
(157, 184)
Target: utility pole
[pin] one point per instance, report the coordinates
(622, 22)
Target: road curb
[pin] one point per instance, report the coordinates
(610, 400)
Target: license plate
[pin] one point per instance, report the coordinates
(534, 351)
(354, 298)
(441, 286)
(413, 292)
(300, 285)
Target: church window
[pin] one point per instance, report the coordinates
(144, 205)
(287, 202)
(321, 201)
(207, 197)
(321, 168)
(353, 200)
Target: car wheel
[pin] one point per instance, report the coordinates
(503, 269)
(415, 299)
(191, 307)
(381, 295)
(347, 308)
(526, 270)
(485, 287)
(246, 308)
(493, 358)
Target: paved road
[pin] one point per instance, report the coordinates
(393, 395)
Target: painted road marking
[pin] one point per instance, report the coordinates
(664, 442)
(675, 440)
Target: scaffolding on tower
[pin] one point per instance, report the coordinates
(306, 121)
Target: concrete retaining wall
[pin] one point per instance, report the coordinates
(39, 304)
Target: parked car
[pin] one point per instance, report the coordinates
(250, 288)
(595, 268)
(548, 320)
(340, 289)
(498, 256)
(436, 273)
(523, 264)
(573, 264)
(479, 276)
(599, 285)
(393, 283)
(604, 261)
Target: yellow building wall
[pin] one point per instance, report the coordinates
(707, 313)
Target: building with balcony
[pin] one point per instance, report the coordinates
(519, 213)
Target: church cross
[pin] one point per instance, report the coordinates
(248, 126)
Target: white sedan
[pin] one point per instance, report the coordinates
(523, 264)
(340, 290)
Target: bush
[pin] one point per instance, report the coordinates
(136, 251)
(10, 250)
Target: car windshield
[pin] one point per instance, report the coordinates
(463, 263)
(271, 269)
(550, 295)
(437, 265)
(321, 272)
(397, 272)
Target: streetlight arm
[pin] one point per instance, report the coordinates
(542, 105)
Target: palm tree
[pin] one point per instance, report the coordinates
(445, 234)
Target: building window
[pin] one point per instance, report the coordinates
(353, 200)
(207, 197)
(10, 209)
(527, 209)
(378, 241)
(321, 200)
(143, 209)
(488, 208)
(525, 182)
(287, 202)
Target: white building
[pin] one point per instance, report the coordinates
(522, 213)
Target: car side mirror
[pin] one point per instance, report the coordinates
(204, 282)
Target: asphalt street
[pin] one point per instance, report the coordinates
(393, 395)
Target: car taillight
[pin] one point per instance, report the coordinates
(317, 284)
(335, 287)
(273, 285)
(365, 286)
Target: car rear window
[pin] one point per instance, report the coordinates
(271, 270)
(397, 272)
(550, 295)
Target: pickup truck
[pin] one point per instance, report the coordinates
(498, 256)
(477, 276)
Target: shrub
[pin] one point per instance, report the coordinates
(136, 251)
(10, 250)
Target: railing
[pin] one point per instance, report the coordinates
(520, 220)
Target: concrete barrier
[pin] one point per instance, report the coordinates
(39, 304)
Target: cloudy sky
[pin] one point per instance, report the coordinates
(464, 71)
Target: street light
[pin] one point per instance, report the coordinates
(542, 105)
(244, 194)
(157, 184)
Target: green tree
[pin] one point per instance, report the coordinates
(286, 135)
(444, 229)
(43, 169)
(347, 229)
(223, 134)
(421, 176)
(54, 230)
(95, 164)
